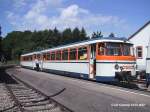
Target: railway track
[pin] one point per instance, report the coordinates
(21, 97)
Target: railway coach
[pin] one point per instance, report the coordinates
(103, 60)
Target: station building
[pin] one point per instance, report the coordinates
(141, 39)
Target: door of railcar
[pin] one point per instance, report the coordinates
(92, 63)
(39, 58)
(33, 61)
(43, 58)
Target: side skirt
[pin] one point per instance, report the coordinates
(65, 73)
(77, 75)
(105, 79)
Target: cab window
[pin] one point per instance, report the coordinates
(126, 50)
(113, 49)
(101, 49)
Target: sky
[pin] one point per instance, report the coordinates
(122, 17)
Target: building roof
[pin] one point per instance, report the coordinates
(139, 30)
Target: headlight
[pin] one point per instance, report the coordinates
(121, 68)
(136, 66)
(116, 66)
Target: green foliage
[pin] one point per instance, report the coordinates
(18, 42)
(97, 35)
(66, 36)
(83, 34)
(112, 35)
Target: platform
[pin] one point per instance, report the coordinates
(85, 96)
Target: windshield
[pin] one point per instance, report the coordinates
(127, 50)
(115, 49)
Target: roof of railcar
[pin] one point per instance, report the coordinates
(81, 43)
(31, 53)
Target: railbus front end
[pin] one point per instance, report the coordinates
(115, 61)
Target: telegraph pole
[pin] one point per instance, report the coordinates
(0, 40)
(0, 43)
(2, 57)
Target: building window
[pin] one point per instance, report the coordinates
(139, 52)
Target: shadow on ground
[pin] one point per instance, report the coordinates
(5, 78)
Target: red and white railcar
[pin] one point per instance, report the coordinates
(99, 59)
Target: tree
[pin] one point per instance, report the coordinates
(56, 37)
(112, 35)
(66, 36)
(76, 35)
(97, 35)
(49, 39)
(83, 35)
(19, 42)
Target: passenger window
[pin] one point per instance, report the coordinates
(47, 56)
(44, 56)
(38, 56)
(34, 56)
(24, 58)
(82, 53)
(53, 56)
(58, 55)
(73, 53)
(65, 55)
(30, 58)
